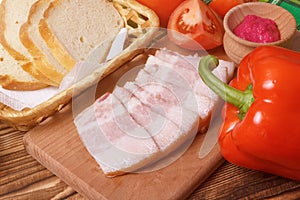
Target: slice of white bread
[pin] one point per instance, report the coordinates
(32, 40)
(12, 76)
(13, 14)
(72, 29)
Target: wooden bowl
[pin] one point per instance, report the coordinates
(237, 48)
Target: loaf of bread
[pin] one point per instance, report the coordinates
(41, 40)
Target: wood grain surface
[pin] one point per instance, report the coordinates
(22, 177)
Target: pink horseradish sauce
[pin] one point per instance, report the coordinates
(257, 29)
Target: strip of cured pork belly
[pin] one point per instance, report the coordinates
(180, 124)
(168, 79)
(172, 57)
(146, 117)
(199, 101)
(158, 116)
(187, 68)
(204, 96)
(117, 143)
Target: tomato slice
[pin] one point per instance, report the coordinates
(193, 25)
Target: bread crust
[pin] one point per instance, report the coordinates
(30, 69)
(12, 84)
(9, 82)
(17, 55)
(57, 49)
(41, 63)
(61, 52)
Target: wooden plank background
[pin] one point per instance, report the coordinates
(22, 177)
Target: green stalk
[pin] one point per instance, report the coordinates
(240, 99)
(207, 1)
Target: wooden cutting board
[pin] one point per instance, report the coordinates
(56, 145)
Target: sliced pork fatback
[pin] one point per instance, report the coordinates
(187, 67)
(183, 67)
(160, 100)
(190, 64)
(140, 112)
(117, 143)
(166, 77)
(174, 83)
(187, 80)
(163, 120)
(162, 110)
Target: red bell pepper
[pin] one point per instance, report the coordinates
(261, 117)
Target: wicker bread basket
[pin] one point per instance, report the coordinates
(137, 18)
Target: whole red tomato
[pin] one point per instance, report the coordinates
(163, 8)
(193, 23)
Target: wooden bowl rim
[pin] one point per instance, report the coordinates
(255, 44)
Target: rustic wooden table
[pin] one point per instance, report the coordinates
(22, 177)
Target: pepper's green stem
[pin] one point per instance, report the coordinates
(240, 99)
(207, 1)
